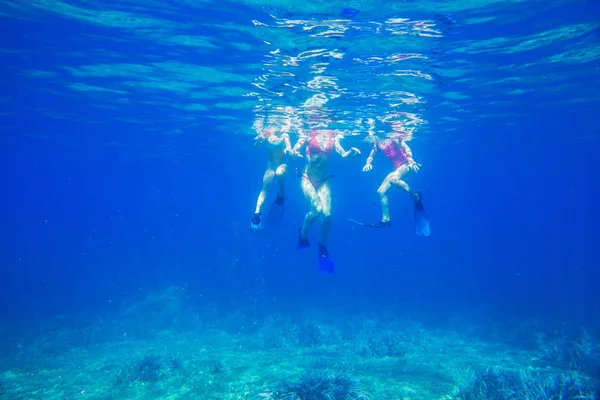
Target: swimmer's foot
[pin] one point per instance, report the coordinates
(325, 264)
(276, 212)
(302, 242)
(255, 223)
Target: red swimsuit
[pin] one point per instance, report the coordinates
(394, 152)
(314, 147)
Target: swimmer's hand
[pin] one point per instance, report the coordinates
(413, 165)
(292, 152)
(354, 151)
(367, 167)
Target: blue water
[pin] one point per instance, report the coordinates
(150, 179)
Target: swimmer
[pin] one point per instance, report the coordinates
(400, 155)
(277, 142)
(318, 146)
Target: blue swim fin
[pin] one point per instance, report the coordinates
(422, 227)
(276, 212)
(325, 263)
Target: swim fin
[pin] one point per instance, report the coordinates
(325, 263)
(276, 212)
(302, 242)
(422, 227)
(379, 224)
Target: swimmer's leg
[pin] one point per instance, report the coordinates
(393, 179)
(385, 186)
(255, 222)
(277, 208)
(280, 174)
(396, 180)
(325, 263)
(315, 211)
(324, 194)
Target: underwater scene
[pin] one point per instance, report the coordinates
(300, 200)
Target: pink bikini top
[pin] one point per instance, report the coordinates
(315, 148)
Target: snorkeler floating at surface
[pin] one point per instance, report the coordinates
(397, 151)
(278, 145)
(315, 186)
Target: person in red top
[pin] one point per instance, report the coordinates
(400, 155)
(318, 146)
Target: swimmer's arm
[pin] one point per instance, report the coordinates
(288, 146)
(409, 158)
(368, 165)
(301, 141)
(286, 139)
(371, 155)
(340, 150)
(408, 151)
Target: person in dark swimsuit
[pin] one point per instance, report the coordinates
(400, 155)
(314, 183)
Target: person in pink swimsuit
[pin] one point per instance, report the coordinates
(318, 146)
(277, 142)
(400, 155)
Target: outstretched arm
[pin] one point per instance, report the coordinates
(368, 165)
(340, 150)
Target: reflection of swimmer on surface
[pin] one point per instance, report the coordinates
(277, 142)
(400, 155)
(315, 186)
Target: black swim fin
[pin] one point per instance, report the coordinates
(379, 224)
(422, 227)
(276, 212)
(255, 223)
(302, 242)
